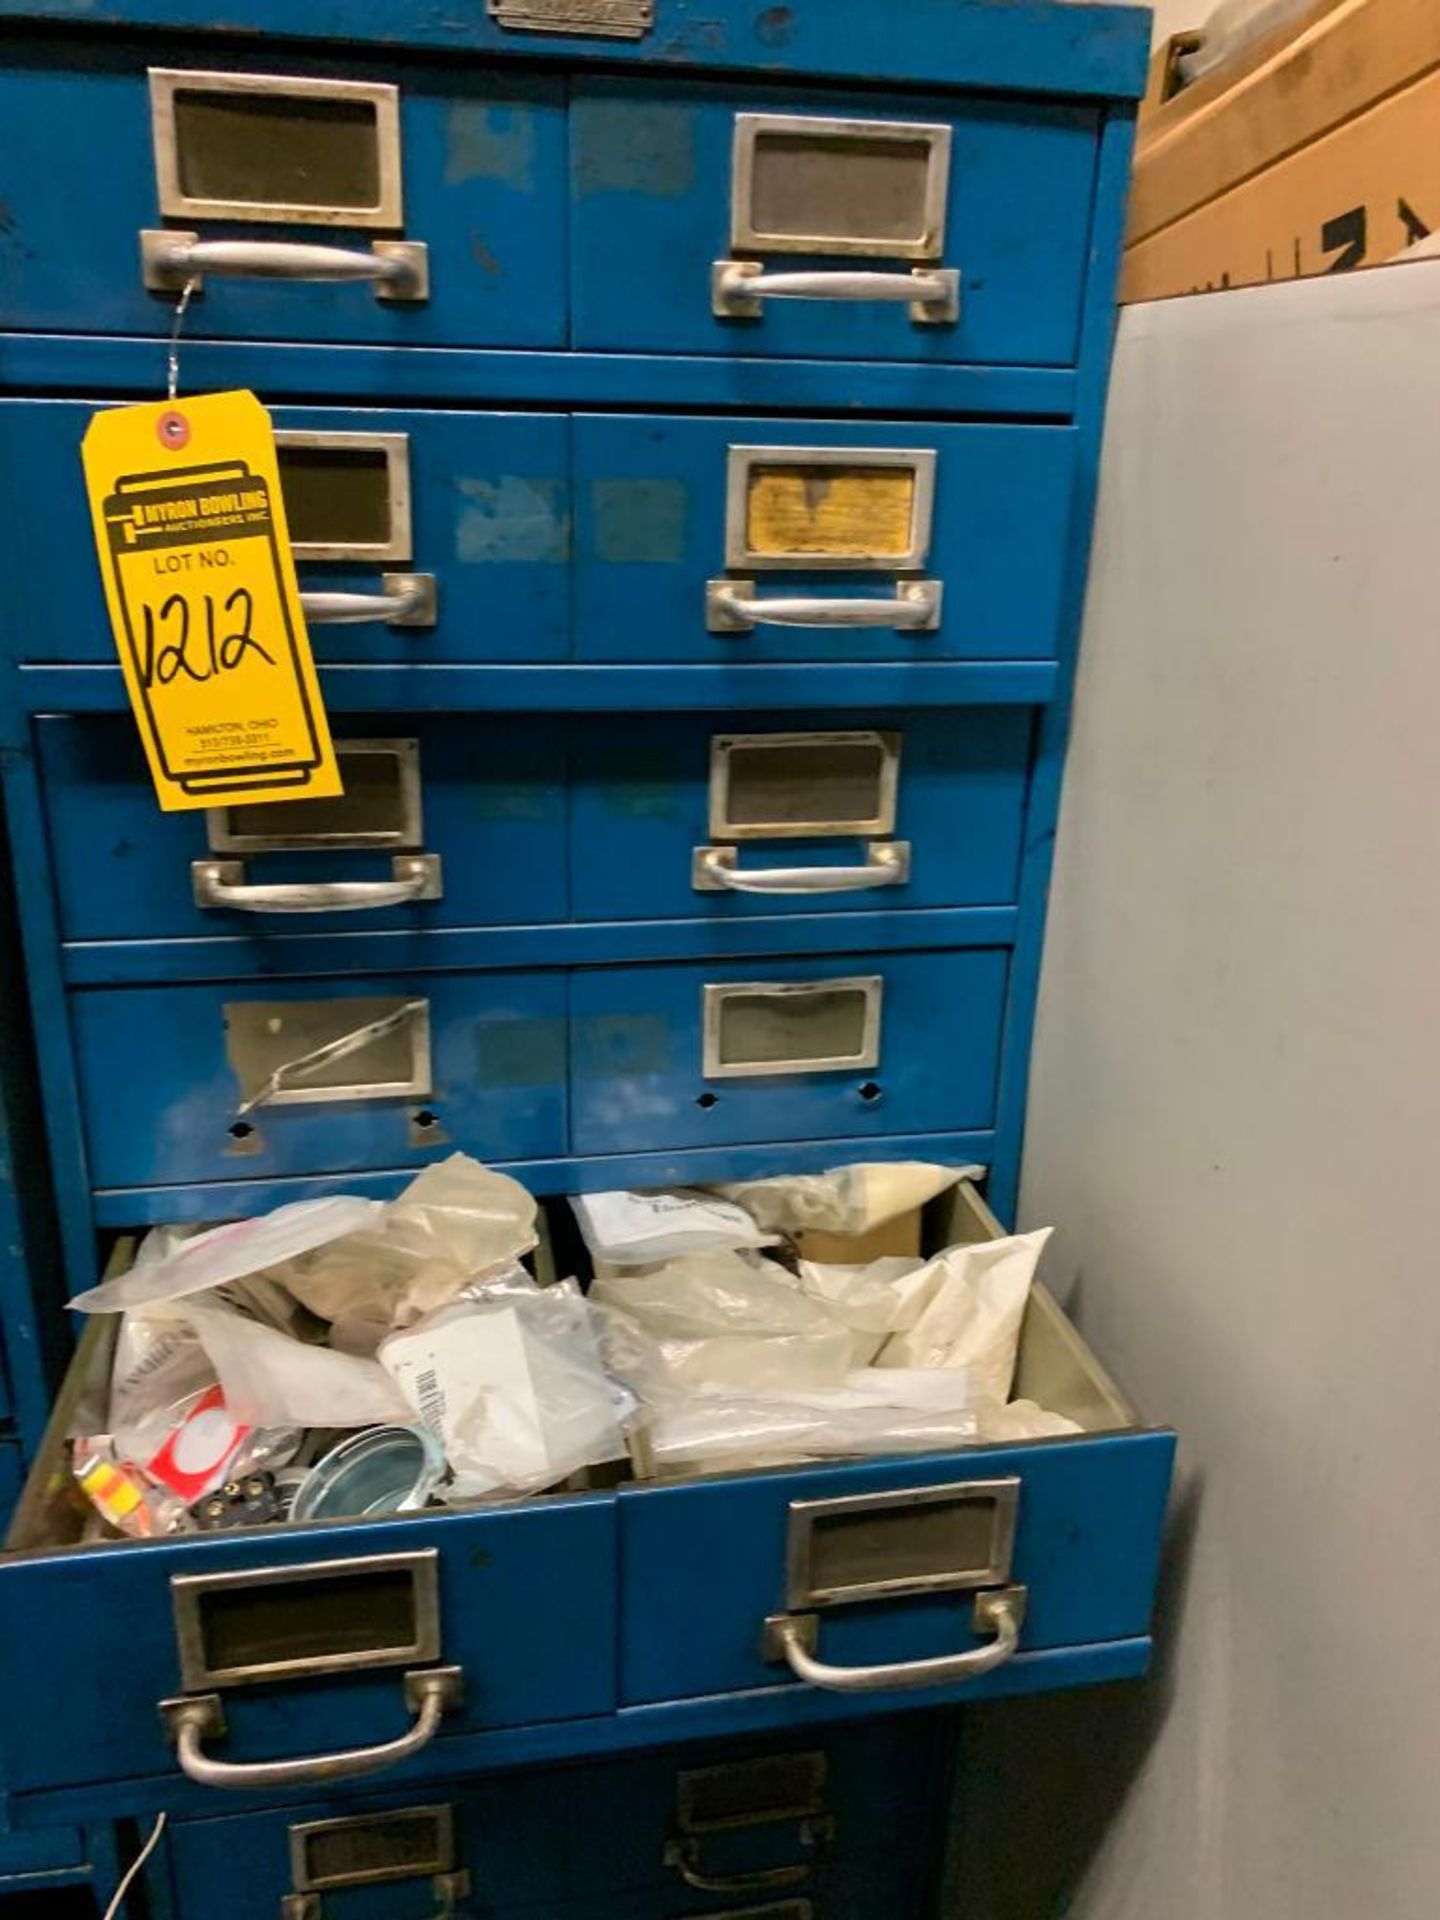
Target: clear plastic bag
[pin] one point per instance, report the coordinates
(457, 1219)
(511, 1380)
(722, 1431)
(637, 1229)
(272, 1379)
(874, 1300)
(973, 1310)
(177, 1268)
(844, 1200)
(731, 1319)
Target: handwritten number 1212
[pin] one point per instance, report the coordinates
(178, 642)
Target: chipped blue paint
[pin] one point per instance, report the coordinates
(489, 143)
(514, 517)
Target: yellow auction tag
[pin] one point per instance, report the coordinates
(200, 584)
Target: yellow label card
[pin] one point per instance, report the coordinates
(200, 584)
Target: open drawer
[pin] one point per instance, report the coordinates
(289, 1643)
(920, 1572)
(288, 1648)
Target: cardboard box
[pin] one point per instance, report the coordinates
(1338, 62)
(1356, 197)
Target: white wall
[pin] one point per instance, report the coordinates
(1175, 16)
(1235, 1118)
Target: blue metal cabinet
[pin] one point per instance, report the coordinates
(478, 802)
(679, 815)
(658, 199)
(867, 1044)
(476, 160)
(667, 550)
(801, 315)
(175, 1082)
(466, 514)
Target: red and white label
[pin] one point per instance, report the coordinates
(196, 1457)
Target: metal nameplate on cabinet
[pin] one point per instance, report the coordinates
(380, 808)
(603, 19)
(803, 786)
(300, 1622)
(811, 1026)
(266, 147)
(298, 1052)
(403, 1843)
(851, 508)
(886, 1546)
(347, 495)
(746, 1793)
(806, 184)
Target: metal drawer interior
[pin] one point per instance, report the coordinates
(922, 229)
(314, 198)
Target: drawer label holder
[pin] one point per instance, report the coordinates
(200, 586)
(600, 19)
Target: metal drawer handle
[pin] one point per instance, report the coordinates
(737, 288)
(731, 607)
(684, 1857)
(197, 1717)
(222, 883)
(398, 269)
(887, 864)
(408, 601)
(792, 1637)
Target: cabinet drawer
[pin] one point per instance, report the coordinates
(447, 533)
(683, 816)
(378, 1858)
(441, 187)
(303, 1637)
(758, 1819)
(312, 1076)
(755, 1822)
(886, 1563)
(682, 1056)
(727, 541)
(688, 201)
(459, 819)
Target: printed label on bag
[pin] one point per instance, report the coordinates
(200, 585)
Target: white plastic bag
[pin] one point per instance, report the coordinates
(230, 1252)
(868, 1413)
(732, 1319)
(845, 1200)
(1023, 1420)
(273, 1380)
(457, 1219)
(636, 1229)
(972, 1313)
(512, 1382)
(158, 1362)
(874, 1300)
